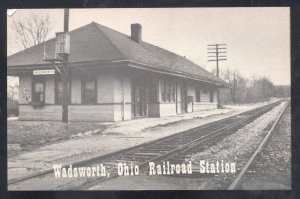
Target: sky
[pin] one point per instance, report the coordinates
(258, 39)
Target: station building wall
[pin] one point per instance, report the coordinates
(114, 100)
(108, 106)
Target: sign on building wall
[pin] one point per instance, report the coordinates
(44, 72)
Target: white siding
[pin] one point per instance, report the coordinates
(75, 89)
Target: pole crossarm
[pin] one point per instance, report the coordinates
(216, 48)
(216, 45)
(218, 60)
(216, 57)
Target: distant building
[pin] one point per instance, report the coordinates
(113, 77)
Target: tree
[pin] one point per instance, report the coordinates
(267, 88)
(12, 91)
(262, 89)
(232, 77)
(283, 90)
(248, 90)
(33, 30)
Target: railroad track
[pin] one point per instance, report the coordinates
(171, 148)
(237, 181)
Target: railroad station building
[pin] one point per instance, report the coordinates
(112, 77)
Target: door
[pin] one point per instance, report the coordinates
(211, 96)
(137, 102)
(140, 102)
(38, 94)
(183, 93)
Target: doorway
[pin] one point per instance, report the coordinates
(139, 99)
(183, 93)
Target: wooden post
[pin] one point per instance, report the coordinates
(65, 75)
(217, 58)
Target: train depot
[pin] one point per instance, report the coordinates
(112, 77)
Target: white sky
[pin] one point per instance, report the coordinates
(258, 39)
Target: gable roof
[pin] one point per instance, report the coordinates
(94, 42)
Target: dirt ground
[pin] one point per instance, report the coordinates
(25, 136)
(28, 135)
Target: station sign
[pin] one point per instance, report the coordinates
(44, 72)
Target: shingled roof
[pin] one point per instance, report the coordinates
(94, 42)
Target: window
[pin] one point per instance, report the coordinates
(168, 91)
(38, 94)
(39, 87)
(152, 94)
(172, 91)
(59, 90)
(211, 96)
(162, 91)
(197, 95)
(89, 91)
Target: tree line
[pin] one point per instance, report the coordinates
(249, 90)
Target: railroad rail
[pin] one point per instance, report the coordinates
(157, 151)
(235, 184)
(177, 147)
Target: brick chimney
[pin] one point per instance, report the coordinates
(136, 33)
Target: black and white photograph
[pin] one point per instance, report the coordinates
(149, 99)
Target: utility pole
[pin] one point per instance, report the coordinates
(218, 54)
(65, 73)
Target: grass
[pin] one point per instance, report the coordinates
(28, 135)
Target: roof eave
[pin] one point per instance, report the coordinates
(176, 73)
(17, 69)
